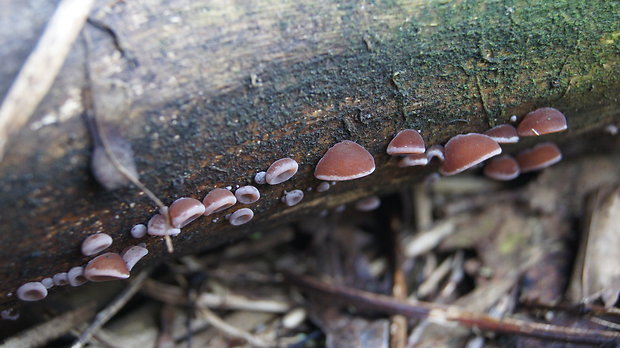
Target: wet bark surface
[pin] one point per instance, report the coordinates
(209, 94)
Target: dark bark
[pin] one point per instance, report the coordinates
(209, 94)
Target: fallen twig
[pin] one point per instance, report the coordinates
(40, 69)
(174, 295)
(442, 313)
(398, 325)
(90, 111)
(107, 313)
(50, 330)
(230, 330)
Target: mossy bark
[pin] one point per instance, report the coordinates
(211, 93)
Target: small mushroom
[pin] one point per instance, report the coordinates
(9, 314)
(418, 159)
(260, 178)
(138, 231)
(539, 157)
(345, 160)
(96, 243)
(502, 168)
(76, 276)
(185, 210)
(466, 150)
(47, 282)
(281, 170)
(247, 194)
(435, 151)
(60, 279)
(133, 254)
(33, 291)
(406, 142)
(106, 267)
(542, 121)
(503, 134)
(293, 197)
(368, 204)
(322, 187)
(241, 216)
(158, 226)
(217, 200)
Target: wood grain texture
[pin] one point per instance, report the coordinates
(210, 93)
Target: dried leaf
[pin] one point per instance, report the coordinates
(597, 273)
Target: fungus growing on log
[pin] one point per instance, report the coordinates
(106, 267)
(466, 150)
(503, 168)
(542, 121)
(132, 255)
(322, 187)
(293, 197)
(47, 282)
(185, 210)
(158, 226)
(60, 279)
(76, 276)
(345, 160)
(217, 200)
(260, 178)
(138, 231)
(281, 170)
(96, 243)
(241, 216)
(247, 194)
(503, 134)
(539, 157)
(406, 142)
(32, 291)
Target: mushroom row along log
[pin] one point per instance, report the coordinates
(209, 95)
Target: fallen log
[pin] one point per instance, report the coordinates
(208, 94)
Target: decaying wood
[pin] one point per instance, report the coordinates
(210, 93)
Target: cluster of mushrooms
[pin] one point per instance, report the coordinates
(468, 150)
(345, 160)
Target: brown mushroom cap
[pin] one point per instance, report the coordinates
(539, 157)
(96, 243)
(281, 170)
(158, 226)
(105, 267)
(185, 210)
(542, 121)
(503, 134)
(345, 160)
(466, 150)
(502, 168)
(247, 194)
(217, 200)
(406, 142)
